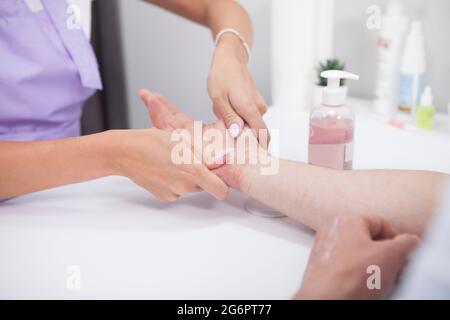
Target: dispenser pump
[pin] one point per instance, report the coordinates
(334, 94)
(427, 97)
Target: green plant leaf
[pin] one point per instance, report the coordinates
(330, 64)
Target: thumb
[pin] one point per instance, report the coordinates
(211, 183)
(233, 122)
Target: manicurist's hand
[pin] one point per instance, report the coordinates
(350, 249)
(235, 97)
(166, 116)
(145, 156)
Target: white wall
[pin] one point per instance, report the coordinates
(168, 54)
(171, 55)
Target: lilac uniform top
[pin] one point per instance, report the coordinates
(47, 72)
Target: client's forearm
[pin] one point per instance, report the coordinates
(309, 194)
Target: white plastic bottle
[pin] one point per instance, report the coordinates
(390, 45)
(413, 69)
(332, 125)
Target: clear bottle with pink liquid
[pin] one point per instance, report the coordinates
(332, 126)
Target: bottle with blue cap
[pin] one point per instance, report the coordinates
(413, 69)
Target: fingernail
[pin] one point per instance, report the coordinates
(234, 130)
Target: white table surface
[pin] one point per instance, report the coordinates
(129, 245)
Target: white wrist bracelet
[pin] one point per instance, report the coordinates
(237, 34)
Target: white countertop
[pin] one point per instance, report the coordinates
(129, 245)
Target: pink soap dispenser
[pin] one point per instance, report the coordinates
(332, 125)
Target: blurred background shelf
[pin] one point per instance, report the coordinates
(167, 54)
(378, 145)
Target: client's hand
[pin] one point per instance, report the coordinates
(349, 252)
(166, 116)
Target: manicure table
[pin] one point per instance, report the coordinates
(109, 239)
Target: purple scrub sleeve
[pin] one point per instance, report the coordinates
(47, 72)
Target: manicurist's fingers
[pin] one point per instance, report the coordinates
(209, 182)
(183, 188)
(250, 106)
(261, 103)
(165, 195)
(224, 110)
(257, 124)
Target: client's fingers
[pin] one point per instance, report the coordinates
(174, 117)
(164, 115)
(402, 246)
(379, 228)
(156, 110)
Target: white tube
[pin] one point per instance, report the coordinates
(325, 30)
(293, 53)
